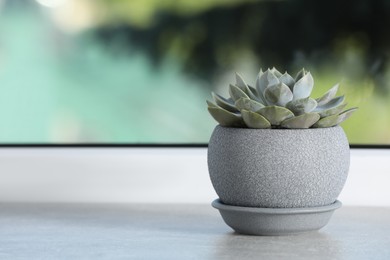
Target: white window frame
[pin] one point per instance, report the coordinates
(151, 175)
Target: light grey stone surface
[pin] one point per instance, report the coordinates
(95, 231)
(278, 168)
(275, 221)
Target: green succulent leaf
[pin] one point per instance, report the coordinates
(254, 120)
(210, 104)
(328, 96)
(332, 111)
(236, 93)
(278, 94)
(334, 102)
(225, 118)
(346, 114)
(328, 121)
(263, 81)
(276, 72)
(303, 87)
(275, 114)
(227, 104)
(302, 106)
(240, 82)
(302, 121)
(335, 119)
(300, 74)
(252, 93)
(253, 90)
(259, 95)
(288, 80)
(248, 104)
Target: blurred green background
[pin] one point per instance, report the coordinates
(139, 71)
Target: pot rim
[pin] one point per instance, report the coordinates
(279, 129)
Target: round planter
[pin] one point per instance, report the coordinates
(278, 168)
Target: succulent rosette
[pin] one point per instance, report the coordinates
(278, 101)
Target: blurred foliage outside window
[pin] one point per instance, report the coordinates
(139, 71)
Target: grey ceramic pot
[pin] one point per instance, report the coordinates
(278, 168)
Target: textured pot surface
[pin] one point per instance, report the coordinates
(278, 168)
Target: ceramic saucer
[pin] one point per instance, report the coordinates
(275, 221)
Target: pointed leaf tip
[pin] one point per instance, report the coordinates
(328, 96)
(210, 104)
(303, 87)
(225, 103)
(265, 80)
(288, 80)
(276, 72)
(240, 82)
(237, 93)
(300, 74)
(346, 114)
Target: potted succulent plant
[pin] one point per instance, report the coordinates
(278, 158)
